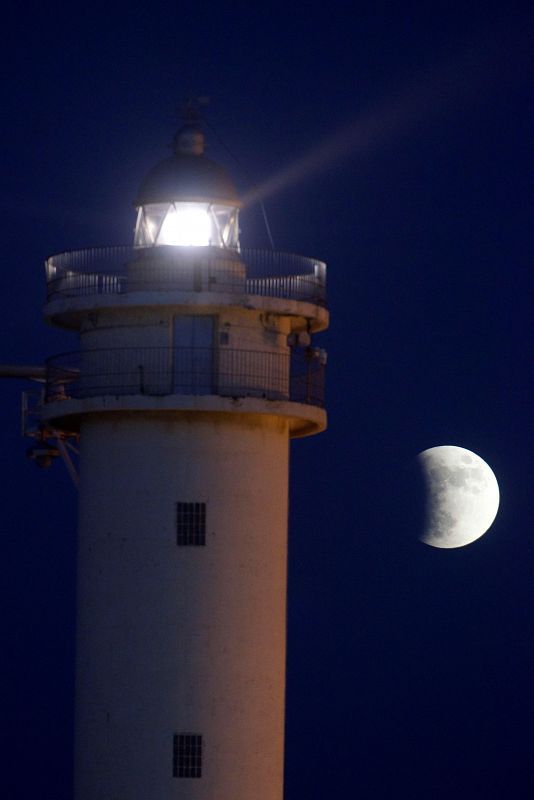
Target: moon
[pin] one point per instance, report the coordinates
(462, 496)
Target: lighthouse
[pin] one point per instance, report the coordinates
(195, 366)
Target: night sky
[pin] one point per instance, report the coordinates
(394, 142)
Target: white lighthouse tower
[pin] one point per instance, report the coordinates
(195, 367)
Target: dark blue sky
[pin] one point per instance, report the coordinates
(410, 669)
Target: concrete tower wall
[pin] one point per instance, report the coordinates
(153, 327)
(176, 639)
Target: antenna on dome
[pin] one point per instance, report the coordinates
(190, 110)
(189, 139)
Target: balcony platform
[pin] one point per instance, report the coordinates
(66, 415)
(69, 311)
(162, 380)
(83, 281)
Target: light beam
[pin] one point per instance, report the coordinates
(442, 90)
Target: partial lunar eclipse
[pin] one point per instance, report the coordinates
(462, 496)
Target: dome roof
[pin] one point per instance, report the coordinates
(187, 175)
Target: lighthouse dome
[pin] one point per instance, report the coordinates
(188, 175)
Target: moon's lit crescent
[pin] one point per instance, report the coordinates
(462, 496)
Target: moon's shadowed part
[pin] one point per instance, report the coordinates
(408, 511)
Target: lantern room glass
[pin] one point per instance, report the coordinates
(187, 224)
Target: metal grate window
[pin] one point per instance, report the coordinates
(187, 755)
(191, 523)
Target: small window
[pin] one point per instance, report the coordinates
(190, 524)
(187, 755)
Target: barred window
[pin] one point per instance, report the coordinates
(187, 755)
(191, 523)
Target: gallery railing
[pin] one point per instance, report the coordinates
(297, 375)
(108, 270)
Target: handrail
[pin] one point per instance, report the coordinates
(105, 270)
(296, 375)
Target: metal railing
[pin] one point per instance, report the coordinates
(108, 270)
(296, 375)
